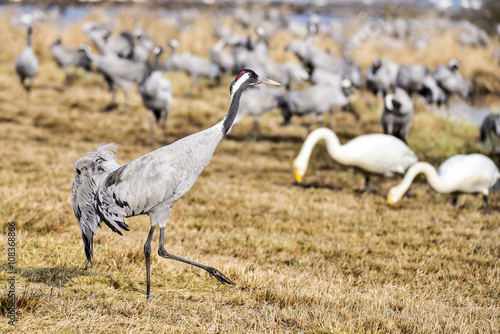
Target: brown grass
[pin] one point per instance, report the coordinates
(324, 258)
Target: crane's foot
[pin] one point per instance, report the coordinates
(110, 107)
(219, 276)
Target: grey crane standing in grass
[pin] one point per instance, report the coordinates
(397, 114)
(256, 102)
(490, 131)
(27, 66)
(381, 76)
(104, 191)
(451, 81)
(194, 66)
(67, 57)
(156, 92)
(118, 73)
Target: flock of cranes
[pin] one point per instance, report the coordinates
(104, 191)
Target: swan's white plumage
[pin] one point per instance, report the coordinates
(373, 154)
(473, 173)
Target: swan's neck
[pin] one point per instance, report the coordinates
(435, 181)
(332, 145)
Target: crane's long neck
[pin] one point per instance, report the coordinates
(173, 52)
(435, 181)
(28, 37)
(332, 145)
(233, 110)
(157, 61)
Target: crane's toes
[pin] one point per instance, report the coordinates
(219, 276)
(110, 107)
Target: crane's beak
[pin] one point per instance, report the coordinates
(268, 81)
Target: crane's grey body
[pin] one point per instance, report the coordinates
(490, 132)
(222, 57)
(169, 172)
(142, 46)
(381, 76)
(411, 77)
(397, 114)
(194, 66)
(256, 102)
(293, 73)
(27, 63)
(118, 72)
(416, 78)
(451, 81)
(122, 45)
(314, 100)
(313, 59)
(104, 191)
(157, 96)
(66, 57)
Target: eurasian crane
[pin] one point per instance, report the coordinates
(104, 191)
(66, 57)
(194, 66)
(157, 96)
(118, 73)
(27, 66)
(381, 76)
(451, 81)
(397, 114)
(256, 102)
(316, 100)
(490, 131)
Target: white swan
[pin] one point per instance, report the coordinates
(473, 173)
(372, 154)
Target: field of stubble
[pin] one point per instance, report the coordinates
(323, 258)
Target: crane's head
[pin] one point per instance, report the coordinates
(247, 78)
(454, 64)
(174, 44)
(158, 50)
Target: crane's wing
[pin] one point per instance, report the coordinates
(91, 170)
(160, 177)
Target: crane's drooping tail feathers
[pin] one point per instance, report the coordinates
(91, 170)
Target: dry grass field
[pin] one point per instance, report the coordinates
(323, 258)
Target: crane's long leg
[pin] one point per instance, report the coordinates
(455, 201)
(151, 117)
(212, 271)
(163, 123)
(112, 105)
(147, 255)
(255, 127)
(487, 202)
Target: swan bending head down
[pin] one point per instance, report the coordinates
(473, 173)
(373, 154)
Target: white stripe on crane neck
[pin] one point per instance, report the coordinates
(237, 84)
(388, 102)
